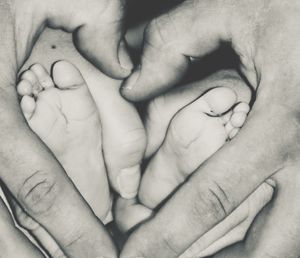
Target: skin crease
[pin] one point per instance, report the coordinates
(45, 54)
(264, 34)
(277, 109)
(28, 168)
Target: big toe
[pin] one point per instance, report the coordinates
(76, 100)
(66, 75)
(219, 100)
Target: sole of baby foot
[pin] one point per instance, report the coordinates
(65, 117)
(195, 133)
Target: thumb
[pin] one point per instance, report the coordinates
(98, 32)
(192, 29)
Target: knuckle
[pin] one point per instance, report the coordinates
(155, 33)
(212, 203)
(170, 246)
(38, 192)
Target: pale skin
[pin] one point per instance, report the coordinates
(35, 178)
(264, 34)
(36, 82)
(258, 117)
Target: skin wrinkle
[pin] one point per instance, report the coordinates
(270, 133)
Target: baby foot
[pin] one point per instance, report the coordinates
(65, 117)
(195, 133)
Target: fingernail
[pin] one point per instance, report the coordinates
(131, 81)
(124, 58)
(128, 182)
(271, 182)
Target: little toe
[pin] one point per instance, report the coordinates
(28, 106)
(31, 77)
(237, 119)
(219, 100)
(233, 133)
(42, 76)
(24, 88)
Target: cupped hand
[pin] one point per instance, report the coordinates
(28, 168)
(264, 34)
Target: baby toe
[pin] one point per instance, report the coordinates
(42, 76)
(242, 107)
(238, 119)
(233, 133)
(220, 100)
(239, 115)
(24, 87)
(66, 75)
(31, 77)
(28, 106)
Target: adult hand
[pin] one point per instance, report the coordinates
(264, 34)
(275, 231)
(180, 138)
(28, 168)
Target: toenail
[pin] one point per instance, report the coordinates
(128, 182)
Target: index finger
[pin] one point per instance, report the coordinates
(170, 40)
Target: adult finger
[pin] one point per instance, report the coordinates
(30, 171)
(11, 237)
(44, 191)
(220, 185)
(192, 29)
(267, 237)
(44, 239)
(98, 28)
